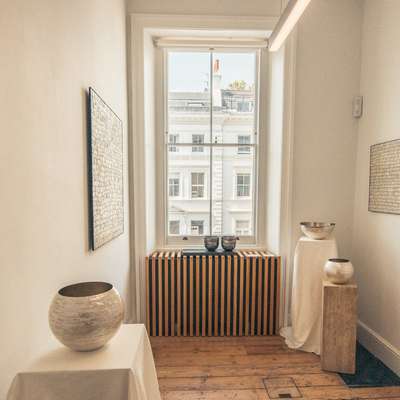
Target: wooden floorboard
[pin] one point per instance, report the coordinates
(248, 368)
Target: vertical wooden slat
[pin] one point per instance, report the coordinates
(235, 286)
(271, 298)
(216, 295)
(265, 294)
(247, 305)
(222, 306)
(203, 306)
(191, 304)
(278, 295)
(166, 290)
(160, 290)
(153, 293)
(228, 296)
(210, 285)
(197, 295)
(185, 299)
(241, 291)
(173, 293)
(178, 296)
(147, 296)
(259, 300)
(253, 294)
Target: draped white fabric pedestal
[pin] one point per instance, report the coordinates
(306, 304)
(122, 370)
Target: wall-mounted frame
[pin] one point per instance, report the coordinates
(105, 172)
(384, 178)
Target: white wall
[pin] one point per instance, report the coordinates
(376, 250)
(51, 51)
(206, 7)
(325, 134)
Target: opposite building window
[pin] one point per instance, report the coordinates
(243, 185)
(197, 227)
(244, 139)
(174, 227)
(198, 139)
(197, 185)
(174, 186)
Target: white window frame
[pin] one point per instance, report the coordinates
(258, 198)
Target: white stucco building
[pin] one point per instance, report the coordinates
(219, 178)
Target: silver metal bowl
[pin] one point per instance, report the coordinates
(317, 230)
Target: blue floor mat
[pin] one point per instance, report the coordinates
(370, 371)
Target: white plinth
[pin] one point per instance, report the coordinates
(306, 303)
(122, 370)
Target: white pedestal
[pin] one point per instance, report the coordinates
(122, 370)
(306, 303)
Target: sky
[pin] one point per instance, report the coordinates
(189, 72)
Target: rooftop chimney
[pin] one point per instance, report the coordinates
(217, 98)
(216, 67)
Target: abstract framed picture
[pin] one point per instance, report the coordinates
(384, 178)
(105, 172)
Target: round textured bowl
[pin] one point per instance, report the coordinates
(338, 270)
(85, 316)
(228, 242)
(317, 230)
(211, 243)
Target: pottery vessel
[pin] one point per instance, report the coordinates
(211, 243)
(228, 242)
(85, 316)
(338, 270)
(317, 230)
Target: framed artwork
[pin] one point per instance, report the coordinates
(384, 178)
(105, 170)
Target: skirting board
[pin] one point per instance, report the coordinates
(379, 346)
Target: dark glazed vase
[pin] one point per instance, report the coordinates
(211, 243)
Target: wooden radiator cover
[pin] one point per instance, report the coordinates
(218, 295)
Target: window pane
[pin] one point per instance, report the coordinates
(189, 95)
(188, 189)
(233, 199)
(234, 101)
(211, 186)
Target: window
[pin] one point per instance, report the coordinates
(198, 139)
(197, 185)
(211, 99)
(244, 139)
(243, 185)
(197, 227)
(242, 228)
(173, 140)
(174, 185)
(174, 227)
